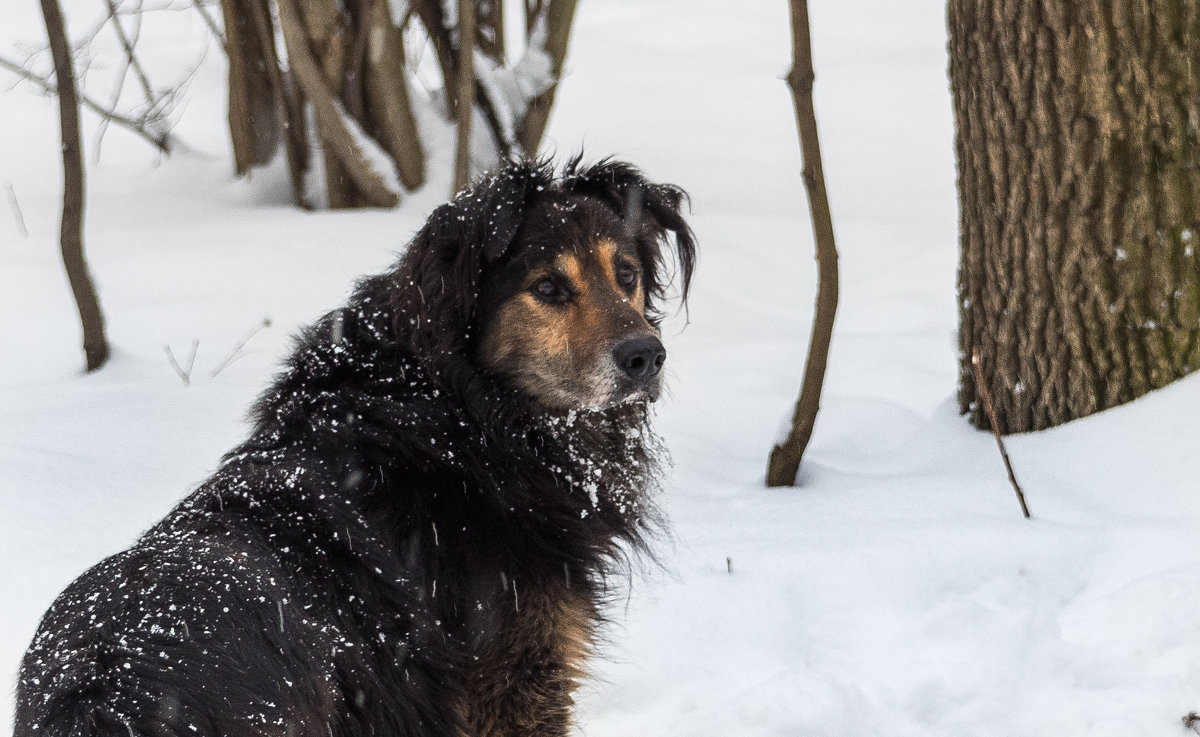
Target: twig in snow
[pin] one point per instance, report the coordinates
(16, 208)
(1191, 721)
(988, 407)
(237, 348)
(729, 565)
(185, 374)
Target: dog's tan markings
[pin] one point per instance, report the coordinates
(561, 353)
(524, 677)
(606, 253)
(609, 255)
(575, 636)
(570, 266)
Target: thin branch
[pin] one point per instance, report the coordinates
(504, 144)
(142, 126)
(785, 459)
(183, 6)
(990, 408)
(208, 21)
(115, 98)
(130, 55)
(237, 347)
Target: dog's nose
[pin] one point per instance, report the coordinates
(641, 357)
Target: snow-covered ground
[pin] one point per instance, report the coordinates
(897, 592)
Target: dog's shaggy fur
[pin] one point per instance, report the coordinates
(414, 540)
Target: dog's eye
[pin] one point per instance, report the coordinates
(549, 290)
(626, 275)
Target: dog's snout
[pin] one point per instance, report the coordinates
(641, 357)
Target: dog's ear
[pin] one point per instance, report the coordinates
(649, 211)
(438, 280)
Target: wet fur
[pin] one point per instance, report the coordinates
(406, 544)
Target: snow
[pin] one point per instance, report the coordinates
(510, 88)
(378, 161)
(897, 592)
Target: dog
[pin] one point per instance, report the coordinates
(416, 540)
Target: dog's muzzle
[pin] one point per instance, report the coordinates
(640, 360)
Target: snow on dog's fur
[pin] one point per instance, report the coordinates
(415, 538)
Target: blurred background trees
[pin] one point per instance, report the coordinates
(337, 95)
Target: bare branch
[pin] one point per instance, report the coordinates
(208, 21)
(146, 126)
(130, 55)
(785, 458)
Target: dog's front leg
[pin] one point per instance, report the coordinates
(526, 671)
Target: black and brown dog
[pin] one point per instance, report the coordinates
(415, 539)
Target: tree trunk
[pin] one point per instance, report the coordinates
(388, 107)
(464, 92)
(489, 29)
(785, 458)
(1078, 155)
(340, 135)
(95, 344)
(344, 62)
(558, 16)
(253, 124)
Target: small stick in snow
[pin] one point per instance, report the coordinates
(729, 565)
(16, 208)
(988, 407)
(185, 375)
(237, 348)
(192, 355)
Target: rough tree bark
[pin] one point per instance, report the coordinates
(785, 458)
(1078, 152)
(95, 344)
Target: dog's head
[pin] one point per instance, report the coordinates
(551, 283)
